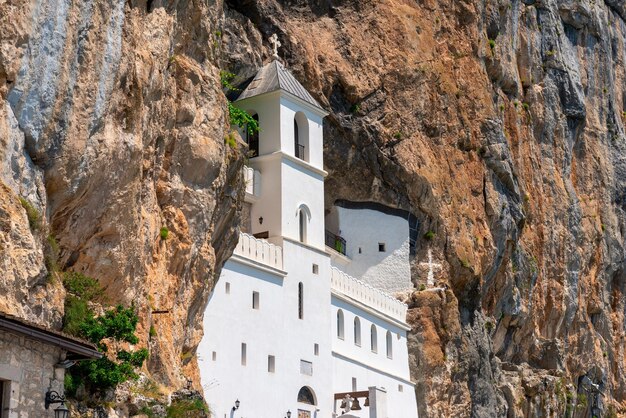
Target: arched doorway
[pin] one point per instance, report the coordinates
(306, 402)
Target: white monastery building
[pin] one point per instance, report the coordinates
(287, 331)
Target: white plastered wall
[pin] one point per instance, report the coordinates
(365, 229)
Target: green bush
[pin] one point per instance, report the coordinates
(230, 140)
(51, 254)
(397, 135)
(116, 325)
(164, 233)
(355, 108)
(422, 287)
(34, 217)
(152, 333)
(242, 119)
(82, 286)
(429, 235)
(188, 409)
(492, 44)
(76, 313)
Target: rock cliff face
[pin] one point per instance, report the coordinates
(499, 124)
(112, 126)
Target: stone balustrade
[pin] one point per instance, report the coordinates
(343, 283)
(259, 250)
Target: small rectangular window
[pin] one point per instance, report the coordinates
(316, 269)
(400, 388)
(271, 364)
(381, 247)
(243, 354)
(354, 384)
(227, 288)
(255, 300)
(360, 250)
(214, 356)
(306, 367)
(316, 349)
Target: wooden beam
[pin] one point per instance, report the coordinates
(359, 394)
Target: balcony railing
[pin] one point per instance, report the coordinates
(259, 250)
(342, 283)
(300, 151)
(335, 242)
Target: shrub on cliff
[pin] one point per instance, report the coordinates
(116, 327)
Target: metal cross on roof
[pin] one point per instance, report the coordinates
(275, 44)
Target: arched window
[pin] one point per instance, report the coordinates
(301, 136)
(389, 345)
(374, 340)
(340, 324)
(300, 300)
(306, 395)
(302, 225)
(298, 148)
(252, 139)
(357, 331)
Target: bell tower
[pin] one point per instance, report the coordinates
(288, 153)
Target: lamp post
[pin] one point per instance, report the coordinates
(289, 414)
(53, 397)
(236, 407)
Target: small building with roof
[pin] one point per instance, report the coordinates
(33, 360)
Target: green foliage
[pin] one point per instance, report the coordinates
(501, 108)
(516, 104)
(230, 140)
(218, 33)
(81, 289)
(526, 106)
(34, 217)
(429, 235)
(152, 332)
(465, 263)
(81, 286)
(164, 233)
(238, 117)
(492, 44)
(76, 313)
(187, 409)
(242, 119)
(116, 325)
(397, 135)
(355, 108)
(422, 287)
(70, 384)
(581, 401)
(226, 79)
(145, 410)
(104, 373)
(52, 254)
(489, 326)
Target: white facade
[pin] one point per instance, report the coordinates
(377, 248)
(271, 336)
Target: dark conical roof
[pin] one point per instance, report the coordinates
(274, 76)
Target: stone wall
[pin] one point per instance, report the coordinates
(28, 365)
